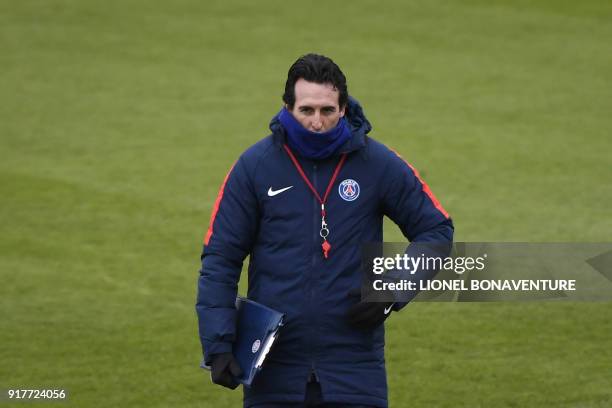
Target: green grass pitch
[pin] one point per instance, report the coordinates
(119, 120)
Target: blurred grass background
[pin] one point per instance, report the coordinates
(119, 120)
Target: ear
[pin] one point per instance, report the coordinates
(342, 111)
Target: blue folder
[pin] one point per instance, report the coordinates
(256, 330)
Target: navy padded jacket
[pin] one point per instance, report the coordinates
(287, 271)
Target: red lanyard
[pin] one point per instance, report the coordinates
(324, 232)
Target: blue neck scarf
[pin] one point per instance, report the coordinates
(313, 145)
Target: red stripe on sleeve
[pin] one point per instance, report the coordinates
(426, 188)
(216, 208)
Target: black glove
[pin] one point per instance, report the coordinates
(224, 369)
(366, 315)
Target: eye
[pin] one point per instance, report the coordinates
(329, 110)
(306, 109)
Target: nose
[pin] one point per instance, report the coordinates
(317, 124)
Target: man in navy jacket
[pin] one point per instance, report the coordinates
(301, 203)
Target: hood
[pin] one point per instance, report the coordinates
(358, 123)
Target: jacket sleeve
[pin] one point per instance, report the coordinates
(233, 225)
(409, 202)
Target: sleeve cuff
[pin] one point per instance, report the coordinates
(216, 348)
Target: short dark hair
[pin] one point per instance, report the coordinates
(319, 69)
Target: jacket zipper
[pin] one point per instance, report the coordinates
(313, 328)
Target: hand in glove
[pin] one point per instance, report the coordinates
(366, 315)
(224, 369)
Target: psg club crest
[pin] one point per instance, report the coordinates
(348, 190)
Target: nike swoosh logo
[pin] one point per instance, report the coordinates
(272, 193)
(388, 309)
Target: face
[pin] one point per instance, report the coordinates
(316, 106)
